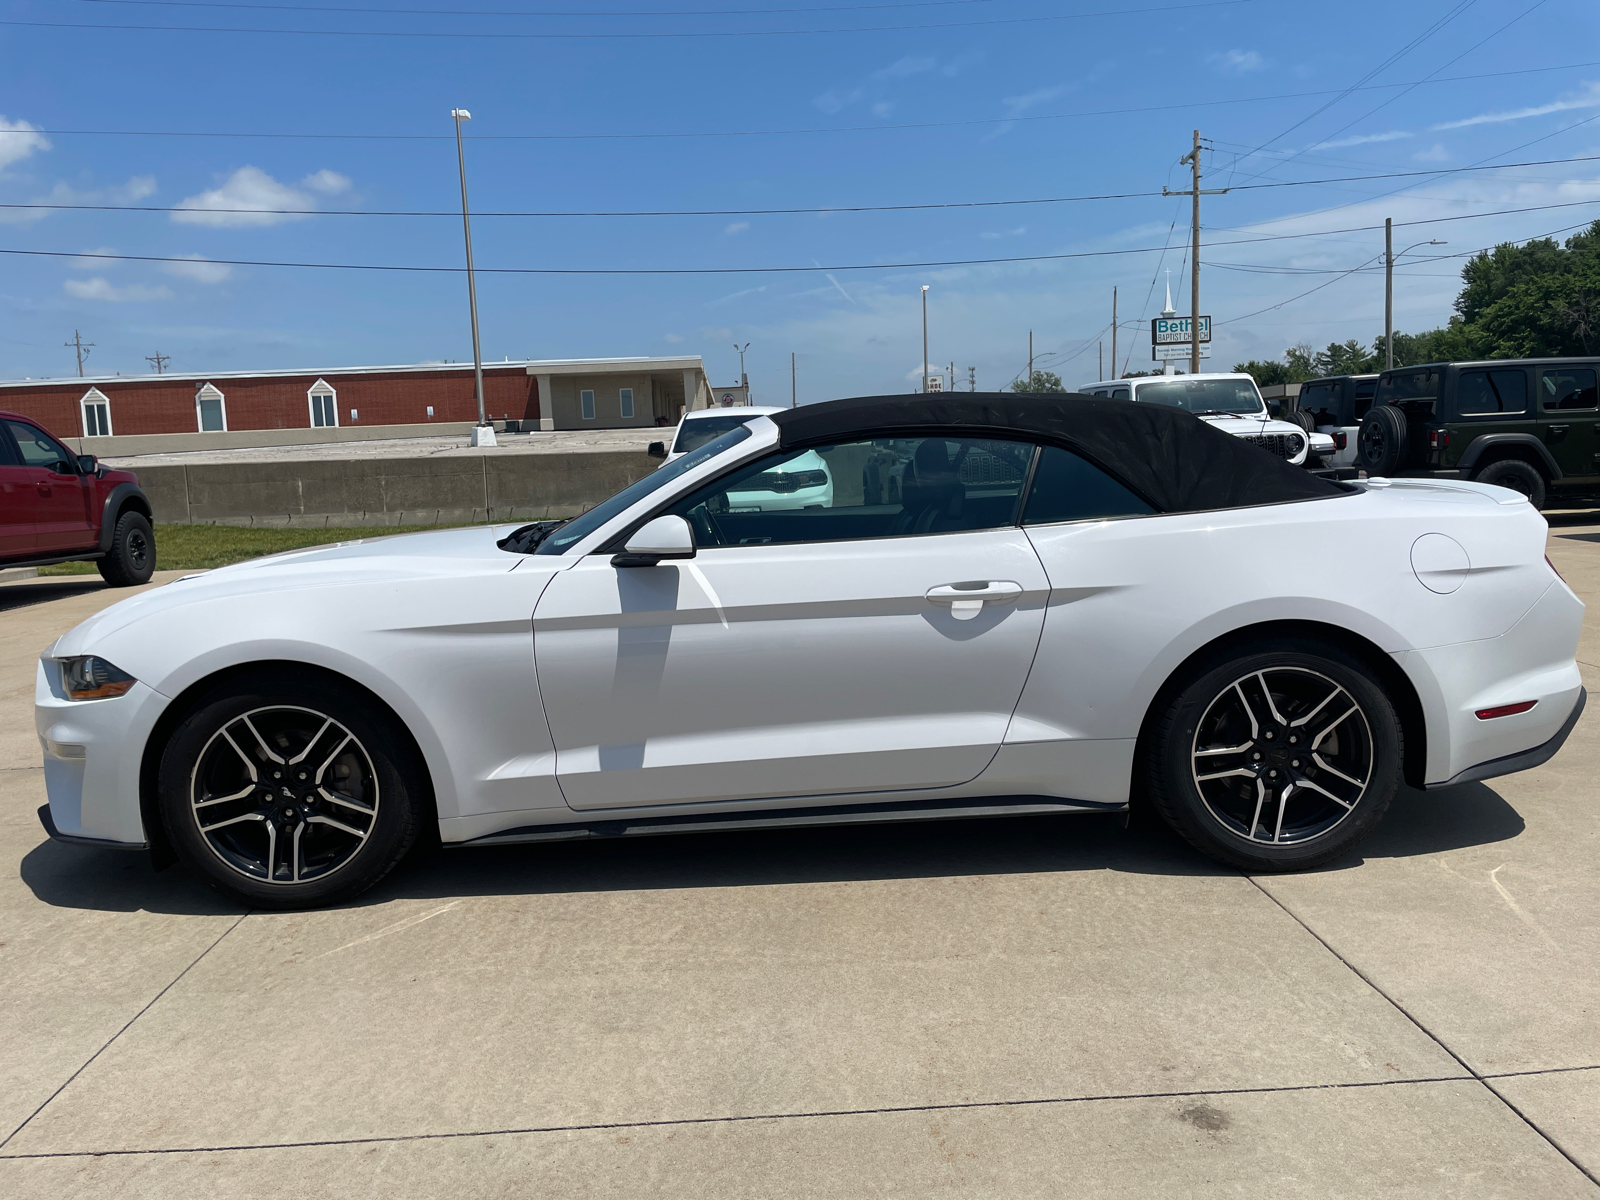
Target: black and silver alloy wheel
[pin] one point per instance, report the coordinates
(284, 795)
(1278, 758)
(1282, 756)
(291, 788)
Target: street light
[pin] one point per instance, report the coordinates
(483, 432)
(744, 380)
(924, 339)
(1388, 287)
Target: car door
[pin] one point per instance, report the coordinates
(18, 519)
(60, 495)
(1568, 418)
(1487, 402)
(874, 642)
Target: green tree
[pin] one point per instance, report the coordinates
(1042, 381)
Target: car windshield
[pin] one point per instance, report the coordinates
(698, 431)
(581, 527)
(1203, 395)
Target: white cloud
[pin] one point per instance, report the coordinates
(1435, 153)
(1361, 139)
(674, 338)
(834, 99)
(1021, 104)
(1237, 62)
(992, 235)
(1588, 98)
(911, 64)
(198, 268)
(737, 227)
(99, 289)
(19, 139)
(883, 108)
(716, 333)
(90, 263)
(253, 194)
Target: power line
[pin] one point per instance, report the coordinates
(632, 35)
(496, 12)
(770, 212)
(795, 132)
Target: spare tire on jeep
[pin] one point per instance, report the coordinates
(1303, 419)
(1381, 440)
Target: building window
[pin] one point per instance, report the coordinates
(324, 406)
(96, 413)
(586, 397)
(210, 410)
(626, 396)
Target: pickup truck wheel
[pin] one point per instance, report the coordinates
(1517, 475)
(1275, 759)
(1381, 440)
(132, 557)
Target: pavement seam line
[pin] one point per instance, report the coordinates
(736, 1119)
(1482, 1079)
(148, 1006)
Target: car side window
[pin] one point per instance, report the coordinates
(8, 453)
(1363, 399)
(1497, 392)
(874, 488)
(1568, 388)
(1120, 393)
(1067, 487)
(39, 449)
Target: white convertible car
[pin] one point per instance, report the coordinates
(1007, 605)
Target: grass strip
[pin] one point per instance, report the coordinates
(201, 547)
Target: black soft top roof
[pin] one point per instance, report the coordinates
(1173, 459)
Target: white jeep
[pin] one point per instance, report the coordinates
(1231, 402)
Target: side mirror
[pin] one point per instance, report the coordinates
(88, 465)
(665, 537)
(657, 450)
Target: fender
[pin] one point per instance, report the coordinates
(114, 502)
(1483, 443)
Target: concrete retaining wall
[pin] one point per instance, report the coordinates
(396, 491)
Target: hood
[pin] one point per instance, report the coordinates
(1246, 424)
(395, 558)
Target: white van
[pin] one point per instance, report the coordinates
(1229, 401)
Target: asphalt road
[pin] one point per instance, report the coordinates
(1051, 1007)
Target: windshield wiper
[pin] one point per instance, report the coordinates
(1217, 412)
(526, 540)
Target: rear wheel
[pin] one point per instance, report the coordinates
(1381, 440)
(291, 791)
(1277, 759)
(1517, 475)
(132, 557)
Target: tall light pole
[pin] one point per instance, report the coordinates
(924, 339)
(483, 432)
(1388, 287)
(744, 380)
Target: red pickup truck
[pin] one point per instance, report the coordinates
(56, 506)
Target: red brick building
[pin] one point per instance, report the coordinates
(582, 393)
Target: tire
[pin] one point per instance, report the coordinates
(268, 831)
(132, 557)
(1381, 440)
(1303, 419)
(1223, 789)
(1519, 476)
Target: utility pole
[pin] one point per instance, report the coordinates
(1193, 159)
(972, 379)
(794, 386)
(924, 339)
(157, 360)
(1030, 361)
(1388, 293)
(950, 378)
(82, 347)
(483, 432)
(1100, 349)
(1113, 334)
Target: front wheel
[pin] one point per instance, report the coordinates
(1276, 759)
(291, 791)
(132, 557)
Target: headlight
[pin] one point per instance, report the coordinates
(89, 678)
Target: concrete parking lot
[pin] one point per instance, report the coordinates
(1051, 1007)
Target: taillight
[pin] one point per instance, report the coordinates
(1341, 440)
(1439, 439)
(1504, 710)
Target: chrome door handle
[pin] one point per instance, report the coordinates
(966, 599)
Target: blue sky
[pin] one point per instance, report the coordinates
(940, 102)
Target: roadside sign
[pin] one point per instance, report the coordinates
(1169, 331)
(1179, 352)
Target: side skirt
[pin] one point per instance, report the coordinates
(859, 814)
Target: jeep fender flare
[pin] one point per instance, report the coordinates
(124, 494)
(1483, 443)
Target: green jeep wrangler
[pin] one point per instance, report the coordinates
(1528, 424)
